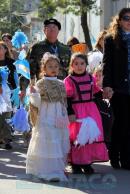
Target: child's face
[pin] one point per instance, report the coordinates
(52, 68)
(78, 65)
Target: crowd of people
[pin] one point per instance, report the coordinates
(67, 83)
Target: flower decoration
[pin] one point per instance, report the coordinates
(19, 39)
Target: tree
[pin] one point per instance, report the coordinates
(4, 16)
(9, 21)
(48, 8)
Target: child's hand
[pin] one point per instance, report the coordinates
(107, 93)
(1, 90)
(72, 118)
(22, 94)
(32, 89)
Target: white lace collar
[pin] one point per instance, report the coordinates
(50, 78)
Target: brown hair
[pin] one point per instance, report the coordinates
(123, 12)
(45, 59)
(100, 36)
(77, 55)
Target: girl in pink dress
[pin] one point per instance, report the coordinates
(86, 131)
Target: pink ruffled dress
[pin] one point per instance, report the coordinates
(81, 89)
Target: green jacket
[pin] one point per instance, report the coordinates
(36, 53)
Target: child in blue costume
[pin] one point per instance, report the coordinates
(7, 83)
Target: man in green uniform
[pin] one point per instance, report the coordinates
(52, 45)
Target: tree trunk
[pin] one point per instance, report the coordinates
(84, 25)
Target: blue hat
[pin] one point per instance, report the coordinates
(52, 21)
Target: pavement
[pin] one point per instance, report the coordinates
(13, 179)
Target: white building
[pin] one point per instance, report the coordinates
(71, 24)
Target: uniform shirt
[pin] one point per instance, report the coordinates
(36, 53)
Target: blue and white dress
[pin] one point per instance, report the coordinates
(5, 101)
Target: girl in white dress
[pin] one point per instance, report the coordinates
(49, 145)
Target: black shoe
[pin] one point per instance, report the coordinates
(55, 180)
(88, 169)
(115, 165)
(76, 169)
(10, 140)
(8, 146)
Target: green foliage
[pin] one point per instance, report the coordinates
(4, 15)
(48, 8)
(79, 6)
(9, 22)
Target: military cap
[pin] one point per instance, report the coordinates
(52, 21)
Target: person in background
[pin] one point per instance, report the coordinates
(100, 41)
(50, 44)
(104, 106)
(23, 82)
(95, 57)
(72, 41)
(86, 131)
(6, 85)
(49, 145)
(116, 80)
(6, 37)
(77, 46)
(98, 74)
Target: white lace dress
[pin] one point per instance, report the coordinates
(49, 145)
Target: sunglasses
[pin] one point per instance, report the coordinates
(126, 18)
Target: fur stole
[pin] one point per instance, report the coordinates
(52, 90)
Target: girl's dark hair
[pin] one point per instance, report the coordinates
(123, 11)
(77, 55)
